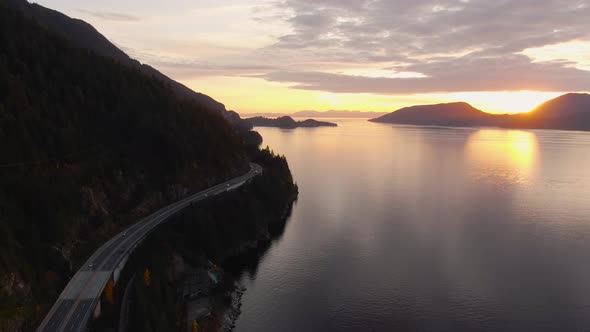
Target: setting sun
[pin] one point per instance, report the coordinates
(250, 95)
(504, 101)
(502, 156)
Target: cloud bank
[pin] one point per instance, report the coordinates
(369, 46)
(110, 16)
(458, 45)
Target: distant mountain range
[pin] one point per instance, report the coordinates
(319, 114)
(567, 112)
(287, 122)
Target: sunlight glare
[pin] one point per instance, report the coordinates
(502, 156)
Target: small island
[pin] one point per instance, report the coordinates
(287, 122)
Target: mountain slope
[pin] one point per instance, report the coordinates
(86, 36)
(450, 114)
(88, 145)
(571, 104)
(74, 30)
(568, 112)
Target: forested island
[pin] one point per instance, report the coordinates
(287, 122)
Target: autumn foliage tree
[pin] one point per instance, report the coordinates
(147, 277)
(109, 292)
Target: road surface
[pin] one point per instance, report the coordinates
(77, 301)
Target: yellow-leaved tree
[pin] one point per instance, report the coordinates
(109, 292)
(147, 277)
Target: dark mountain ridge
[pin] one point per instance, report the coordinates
(86, 36)
(567, 112)
(448, 114)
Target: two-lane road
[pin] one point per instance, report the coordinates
(77, 301)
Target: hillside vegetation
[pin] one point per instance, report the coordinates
(88, 145)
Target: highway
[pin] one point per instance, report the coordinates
(79, 298)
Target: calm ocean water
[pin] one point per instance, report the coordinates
(428, 229)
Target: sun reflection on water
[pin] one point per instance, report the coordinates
(502, 156)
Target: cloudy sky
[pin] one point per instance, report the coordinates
(373, 55)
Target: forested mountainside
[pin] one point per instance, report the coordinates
(220, 229)
(87, 37)
(88, 145)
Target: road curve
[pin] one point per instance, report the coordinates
(77, 301)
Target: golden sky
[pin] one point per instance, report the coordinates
(290, 55)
